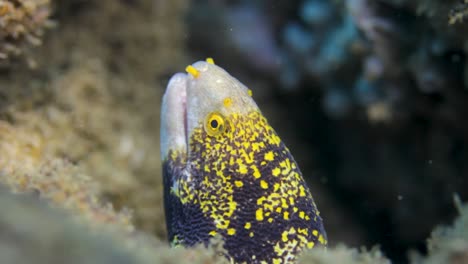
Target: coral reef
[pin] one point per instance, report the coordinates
(92, 103)
(22, 24)
(369, 95)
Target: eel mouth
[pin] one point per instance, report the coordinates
(190, 97)
(174, 126)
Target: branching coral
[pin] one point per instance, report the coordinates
(22, 24)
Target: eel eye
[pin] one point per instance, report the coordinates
(215, 124)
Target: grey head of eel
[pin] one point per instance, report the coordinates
(226, 172)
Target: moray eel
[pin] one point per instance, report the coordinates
(227, 173)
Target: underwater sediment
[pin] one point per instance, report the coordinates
(369, 96)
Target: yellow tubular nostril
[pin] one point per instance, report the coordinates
(210, 60)
(227, 102)
(194, 72)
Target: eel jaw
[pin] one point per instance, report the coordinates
(174, 117)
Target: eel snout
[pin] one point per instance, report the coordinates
(174, 116)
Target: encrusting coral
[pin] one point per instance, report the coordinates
(22, 24)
